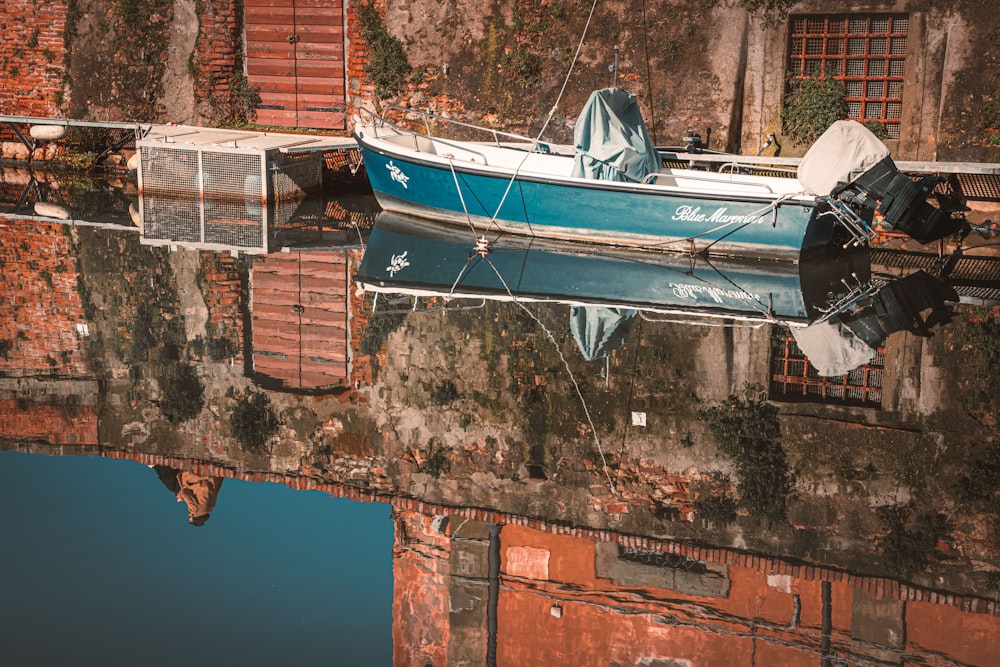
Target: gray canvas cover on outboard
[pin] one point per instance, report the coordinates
(611, 139)
(845, 151)
(600, 330)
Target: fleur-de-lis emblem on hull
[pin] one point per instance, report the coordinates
(397, 174)
(397, 264)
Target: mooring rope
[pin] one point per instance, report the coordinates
(576, 386)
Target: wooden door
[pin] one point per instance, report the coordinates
(295, 57)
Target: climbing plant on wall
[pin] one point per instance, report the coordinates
(387, 67)
(812, 104)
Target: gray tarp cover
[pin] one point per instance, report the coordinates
(600, 330)
(845, 151)
(611, 139)
(832, 348)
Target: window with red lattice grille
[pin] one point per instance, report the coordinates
(866, 52)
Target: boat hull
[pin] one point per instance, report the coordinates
(592, 211)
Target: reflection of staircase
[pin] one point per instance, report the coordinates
(299, 320)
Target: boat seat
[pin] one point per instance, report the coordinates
(416, 141)
(661, 178)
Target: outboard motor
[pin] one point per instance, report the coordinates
(852, 165)
(903, 202)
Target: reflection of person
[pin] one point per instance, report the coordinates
(200, 493)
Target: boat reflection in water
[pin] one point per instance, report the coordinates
(837, 312)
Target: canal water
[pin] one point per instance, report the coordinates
(320, 433)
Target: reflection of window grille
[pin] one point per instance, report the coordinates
(661, 559)
(794, 379)
(867, 53)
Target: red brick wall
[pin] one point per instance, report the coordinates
(56, 425)
(41, 301)
(357, 58)
(32, 57)
(219, 49)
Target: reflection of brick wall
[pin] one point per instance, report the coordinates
(56, 425)
(361, 368)
(221, 287)
(32, 56)
(38, 323)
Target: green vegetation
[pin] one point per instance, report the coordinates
(377, 332)
(748, 431)
(812, 104)
(182, 392)
(438, 462)
(523, 66)
(253, 420)
(387, 67)
(770, 11)
(982, 480)
(910, 540)
(237, 107)
(991, 106)
(876, 128)
(444, 392)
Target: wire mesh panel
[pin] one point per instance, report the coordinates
(205, 196)
(234, 198)
(294, 177)
(171, 219)
(169, 171)
(169, 213)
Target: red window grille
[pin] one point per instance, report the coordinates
(866, 52)
(794, 379)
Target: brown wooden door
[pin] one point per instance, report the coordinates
(295, 57)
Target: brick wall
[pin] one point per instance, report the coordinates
(357, 58)
(219, 49)
(32, 57)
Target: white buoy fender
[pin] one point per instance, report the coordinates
(47, 132)
(133, 214)
(48, 210)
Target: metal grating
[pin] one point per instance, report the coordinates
(982, 187)
(296, 176)
(867, 53)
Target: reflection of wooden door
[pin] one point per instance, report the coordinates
(295, 57)
(299, 319)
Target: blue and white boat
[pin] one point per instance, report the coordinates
(610, 188)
